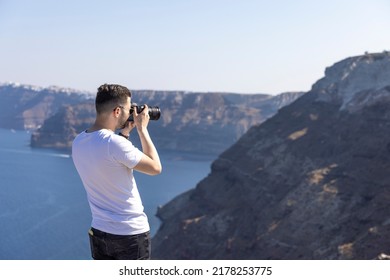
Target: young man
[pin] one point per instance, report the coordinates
(105, 162)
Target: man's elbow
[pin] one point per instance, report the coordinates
(149, 168)
(156, 170)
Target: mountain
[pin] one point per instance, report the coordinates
(312, 182)
(27, 107)
(205, 123)
(200, 122)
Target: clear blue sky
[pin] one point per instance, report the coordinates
(238, 46)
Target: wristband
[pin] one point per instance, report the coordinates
(127, 137)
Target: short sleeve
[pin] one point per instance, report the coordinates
(123, 151)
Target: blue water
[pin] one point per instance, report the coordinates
(44, 212)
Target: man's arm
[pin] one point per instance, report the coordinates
(150, 161)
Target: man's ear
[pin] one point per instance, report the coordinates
(116, 112)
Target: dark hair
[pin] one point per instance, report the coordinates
(109, 96)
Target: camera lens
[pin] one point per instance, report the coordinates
(154, 113)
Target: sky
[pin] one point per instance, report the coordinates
(242, 46)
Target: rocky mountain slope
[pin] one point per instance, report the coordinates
(312, 182)
(27, 107)
(190, 122)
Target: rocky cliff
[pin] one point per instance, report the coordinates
(27, 107)
(190, 122)
(312, 182)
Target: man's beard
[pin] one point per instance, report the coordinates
(123, 123)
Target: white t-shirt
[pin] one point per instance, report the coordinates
(105, 163)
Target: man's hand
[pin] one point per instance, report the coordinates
(141, 120)
(128, 128)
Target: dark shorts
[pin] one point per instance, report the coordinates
(107, 246)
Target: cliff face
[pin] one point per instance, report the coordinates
(312, 182)
(60, 130)
(27, 107)
(190, 122)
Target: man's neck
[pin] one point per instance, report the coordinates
(99, 126)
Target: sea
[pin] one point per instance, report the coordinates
(44, 213)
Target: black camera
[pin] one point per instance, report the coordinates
(154, 111)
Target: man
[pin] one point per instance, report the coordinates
(105, 162)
